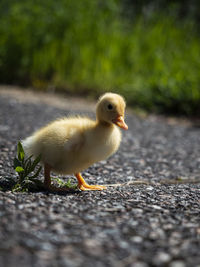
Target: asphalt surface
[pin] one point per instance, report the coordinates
(150, 218)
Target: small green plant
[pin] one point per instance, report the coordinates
(27, 172)
(68, 184)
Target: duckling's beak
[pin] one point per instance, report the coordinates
(119, 121)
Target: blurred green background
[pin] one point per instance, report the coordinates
(149, 51)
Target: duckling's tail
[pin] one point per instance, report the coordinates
(29, 146)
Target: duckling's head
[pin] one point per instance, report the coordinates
(110, 109)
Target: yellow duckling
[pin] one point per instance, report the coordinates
(70, 145)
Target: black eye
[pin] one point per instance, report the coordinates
(110, 106)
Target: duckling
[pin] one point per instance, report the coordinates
(71, 145)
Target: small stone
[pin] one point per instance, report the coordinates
(58, 228)
(177, 264)
(156, 207)
(139, 264)
(161, 258)
(149, 188)
(93, 247)
(136, 239)
(124, 245)
(46, 246)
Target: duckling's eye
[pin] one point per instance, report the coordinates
(110, 106)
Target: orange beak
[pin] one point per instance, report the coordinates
(119, 121)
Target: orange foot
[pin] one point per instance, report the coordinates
(84, 186)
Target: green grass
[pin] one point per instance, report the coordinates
(87, 46)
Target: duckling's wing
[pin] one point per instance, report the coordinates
(74, 142)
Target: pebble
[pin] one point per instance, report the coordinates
(139, 264)
(137, 239)
(177, 264)
(161, 258)
(150, 188)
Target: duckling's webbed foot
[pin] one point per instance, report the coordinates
(84, 186)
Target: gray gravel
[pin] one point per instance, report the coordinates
(136, 225)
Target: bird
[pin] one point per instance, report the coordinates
(70, 145)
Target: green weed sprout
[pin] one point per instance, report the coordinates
(67, 184)
(27, 172)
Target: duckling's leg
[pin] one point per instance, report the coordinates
(84, 186)
(47, 178)
(47, 181)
